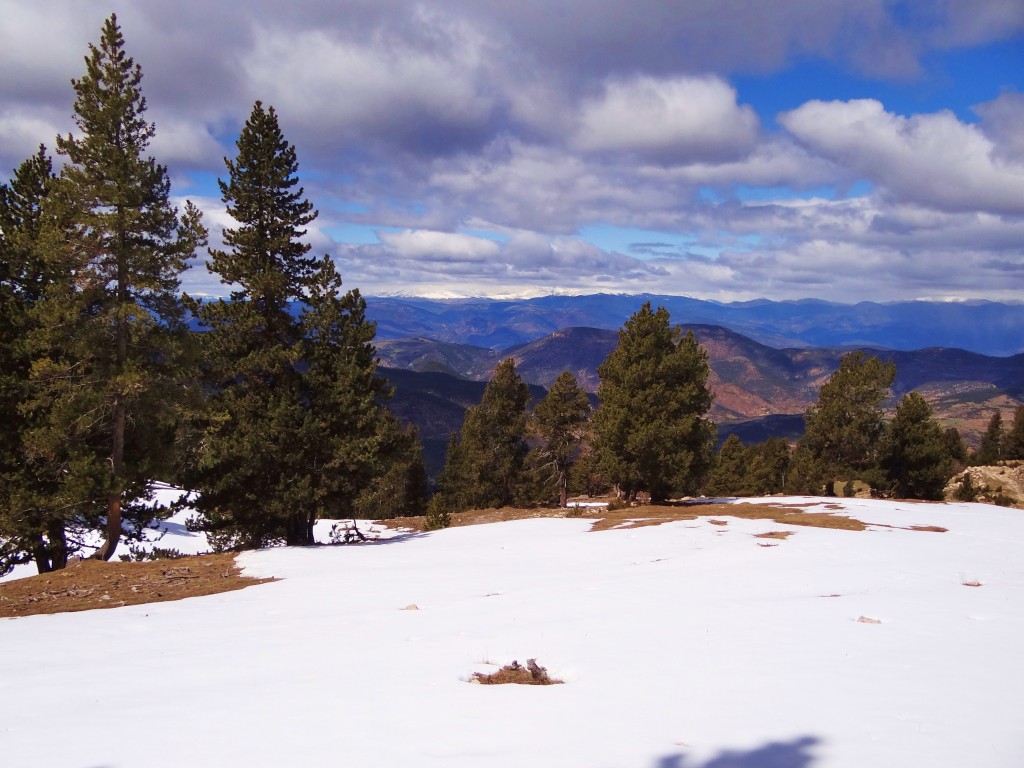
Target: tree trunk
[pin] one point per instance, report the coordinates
(563, 489)
(58, 545)
(106, 551)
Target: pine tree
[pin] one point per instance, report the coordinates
(350, 439)
(483, 466)
(252, 473)
(1013, 444)
(30, 527)
(294, 429)
(955, 447)
(991, 449)
(844, 428)
(559, 421)
(108, 331)
(728, 475)
(914, 455)
(769, 467)
(650, 428)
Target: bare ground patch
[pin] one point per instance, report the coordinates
(515, 673)
(89, 584)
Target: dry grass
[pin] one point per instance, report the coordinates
(774, 535)
(89, 584)
(516, 674)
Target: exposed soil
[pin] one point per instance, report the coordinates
(88, 584)
(515, 673)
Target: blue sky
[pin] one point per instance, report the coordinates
(725, 149)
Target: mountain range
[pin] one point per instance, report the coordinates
(431, 352)
(988, 328)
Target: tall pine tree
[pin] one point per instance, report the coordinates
(845, 427)
(484, 465)
(107, 333)
(292, 432)
(651, 427)
(991, 449)
(559, 420)
(31, 528)
(914, 455)
(1013, 445)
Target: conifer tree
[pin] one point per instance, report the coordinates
(650, 428)
(30, 526)
(293, 430)
(107, 332)
(844, 428)
(483, 466)
(1013, 444)
(914, 456)
(955, 447)
(769, 467)
(559, 421)
(991, 449)
(728, 475)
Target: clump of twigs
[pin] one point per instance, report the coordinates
(531, 674)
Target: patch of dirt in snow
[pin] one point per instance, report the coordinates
(88, 584)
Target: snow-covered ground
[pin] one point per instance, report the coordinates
(684, 645)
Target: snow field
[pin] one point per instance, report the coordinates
(680, 645)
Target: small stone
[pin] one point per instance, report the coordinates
(868, 620)
(411, 607)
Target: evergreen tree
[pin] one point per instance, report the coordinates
(915, 457)
(107, 333)
(991, 449)
(1013, 444)
(650, 428)
(30, 527)
(399, 488)
(845, 427)
(728, 476)
(483, 467)
(955, 447)
(293, 431)
(769, 467)
(559, 421)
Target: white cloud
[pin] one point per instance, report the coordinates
(933, 159)
(682, 119)
(336, 87)
(439, 246)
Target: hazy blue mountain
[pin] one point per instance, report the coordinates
(985, 327)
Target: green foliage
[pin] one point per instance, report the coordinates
(559, 420)
(104, 333)
(728, 476)
(1013, 444)
(651, 430)
(483, 467)
(844, 428)
(991, 449)
(399, 486)
(756, 470)
(966, 490)
(294, 431)
(438, 514)
(915, 454)
(955, 446)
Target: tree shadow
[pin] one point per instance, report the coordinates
(776, 754)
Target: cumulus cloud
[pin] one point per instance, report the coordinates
(372, 89)
(673, 120)
(439, 246)
(932, 159)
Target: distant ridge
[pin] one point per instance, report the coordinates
(988, 328)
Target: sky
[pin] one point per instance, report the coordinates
(844, 150)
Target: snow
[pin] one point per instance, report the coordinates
(684, 645)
